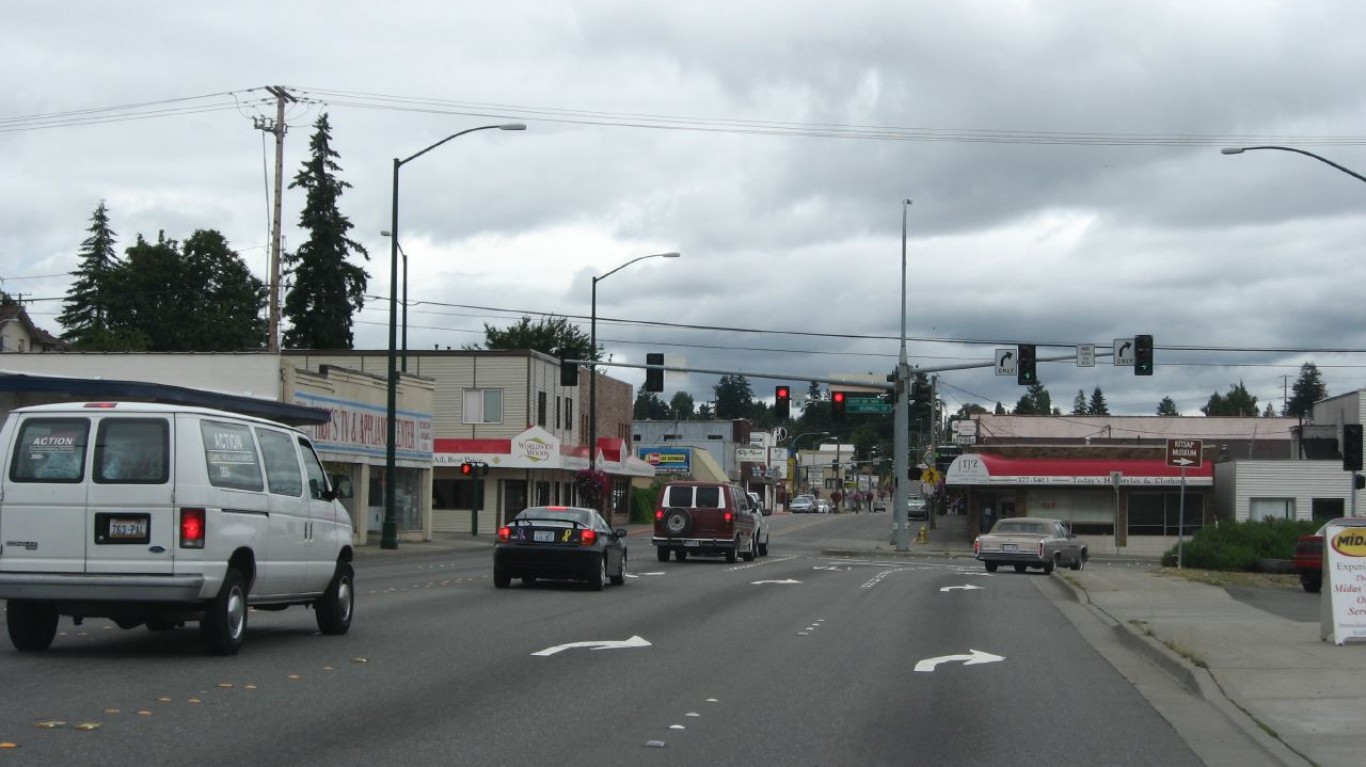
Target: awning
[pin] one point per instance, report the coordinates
(537, 448)
(991, 469)
(62, 389)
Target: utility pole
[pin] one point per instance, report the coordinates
(276, 128)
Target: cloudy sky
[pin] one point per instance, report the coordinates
(1062, 158)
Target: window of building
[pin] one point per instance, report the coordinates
(540, 408)
(1161, 513)
(1271, 508)
(559, 412)
(1325, 509)
(568, 413)
(452, 494)
(483, 406)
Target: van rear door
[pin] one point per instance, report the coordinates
(131, 523)
(42, 520)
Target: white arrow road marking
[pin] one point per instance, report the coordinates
(784, 582)
(834, 568)
(961, 588)
(634, 641)
(976, 657)
(641, 575)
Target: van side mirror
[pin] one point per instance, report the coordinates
(341, 488)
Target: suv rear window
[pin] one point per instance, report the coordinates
(695, 497)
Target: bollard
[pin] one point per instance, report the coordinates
(922, 536)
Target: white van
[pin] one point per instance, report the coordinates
(157, 515)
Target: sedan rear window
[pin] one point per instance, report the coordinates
(1021, 527)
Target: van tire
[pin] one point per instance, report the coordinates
(335, 606)
(225, 617)
(662, 553)
(763, 548)
(32, 625)
(748, 556)
(732, 553)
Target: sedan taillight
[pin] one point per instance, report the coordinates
(504, 534)
(1040, 549)
(588, 537)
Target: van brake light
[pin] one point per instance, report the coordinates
(192, 528)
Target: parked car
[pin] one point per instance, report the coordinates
(802, 504)
(1030, 542)
(158, 515)
(1308, 561)
(559, 543)
(879, 504)
(916, 508)
(757, 501)
(822, 506)
(705, 519)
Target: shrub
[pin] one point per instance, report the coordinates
(1237, 546)
(643, 501)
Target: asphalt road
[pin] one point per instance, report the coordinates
(795, 659)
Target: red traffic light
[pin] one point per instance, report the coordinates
(784, 392)
(467, 469)
(837, 404)
(782, 401)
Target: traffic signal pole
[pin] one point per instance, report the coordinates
(901, 414)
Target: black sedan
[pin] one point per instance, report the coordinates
(559, 543)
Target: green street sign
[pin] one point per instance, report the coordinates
(866, 405)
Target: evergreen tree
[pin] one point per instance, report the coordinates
(1035, 401)
(1270, 411)
(327, 290)
(1098, 405)
(734, 398)
(197, 298)
(1079, 403)
(649, 407)
(85, 312)
(681, 407)
(705, 412)
(1238, 402)
(1167, 407)
(1000, 409)
(1308, 389)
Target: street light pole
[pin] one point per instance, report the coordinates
(389, 532)
(901, 420)
(593, 354)
(1325, 160)
(404, 359)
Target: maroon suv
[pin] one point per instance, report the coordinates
(704, 519)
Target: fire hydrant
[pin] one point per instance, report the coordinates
(923, 536)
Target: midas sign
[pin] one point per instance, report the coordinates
(1350, 543)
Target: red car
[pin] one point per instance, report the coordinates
(1308, 561)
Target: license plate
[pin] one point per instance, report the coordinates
(1008, 547)
(693, 544)
(124, 529)
(544, 536)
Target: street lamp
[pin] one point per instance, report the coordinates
(901, 417)
(404, 359)
(593, 372)
(389, 533)
(1325, 160)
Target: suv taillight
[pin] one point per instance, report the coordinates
(191, 528)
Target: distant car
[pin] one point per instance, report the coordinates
(760, 530)
(559, 543)
(802, 504)
(822, 506)
(879, 504)
(1027, 542)
(758, 502)
(916, 508)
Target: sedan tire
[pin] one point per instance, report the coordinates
(598, 580)
(620, 578)
(991, 566)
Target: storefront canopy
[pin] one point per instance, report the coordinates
(989, 469)
(537, 448)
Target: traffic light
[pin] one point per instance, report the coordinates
(837, 404)
(1143, 355)
(1025, 374)
(782, 402)
(654, 376)
(569, 373)
(474, 469)
(1351, 446)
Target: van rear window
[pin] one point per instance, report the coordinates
(50, 450)
(231, 455)
(132, 451)
(694, 497)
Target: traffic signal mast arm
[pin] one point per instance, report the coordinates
(864, 384)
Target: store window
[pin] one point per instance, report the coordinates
(1162, 514)
(540, 409)
(483, 406)
(1325, 509)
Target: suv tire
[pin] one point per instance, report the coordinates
(748, 556)
(677, 522)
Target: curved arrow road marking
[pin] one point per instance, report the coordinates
(975, 658)
(961, 588)
(634, 641)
